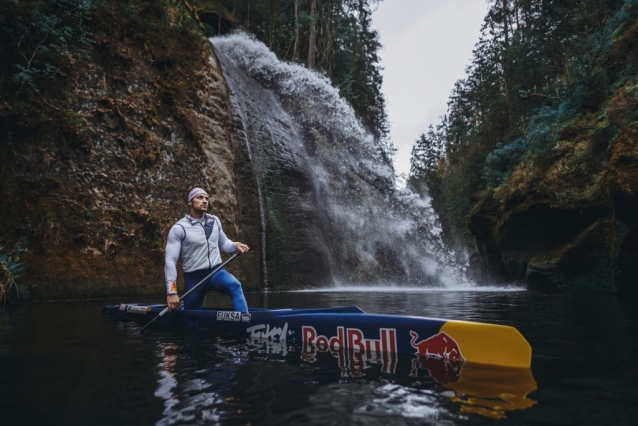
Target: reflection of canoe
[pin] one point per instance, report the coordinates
(350, 328)
(491, 391)
(481, 389)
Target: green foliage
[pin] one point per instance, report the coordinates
(40, 40)
(540, 135)
(44, 43)
(37, 38)
(426, 153)
(538, 68)
(10, 268)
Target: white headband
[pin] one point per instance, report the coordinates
(195, 192)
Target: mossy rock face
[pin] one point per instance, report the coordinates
(570, 223)
(151, 117)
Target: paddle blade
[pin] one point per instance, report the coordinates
(490, 344)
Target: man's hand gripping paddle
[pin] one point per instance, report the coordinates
(165, 311)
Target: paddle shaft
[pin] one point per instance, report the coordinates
(216, 270)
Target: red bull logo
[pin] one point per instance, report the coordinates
(439, 346)
(352, 342)
(352, 338)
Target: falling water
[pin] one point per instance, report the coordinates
(330, 209)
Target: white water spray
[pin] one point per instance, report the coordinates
(322, 179)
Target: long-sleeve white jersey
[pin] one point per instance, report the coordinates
(198, 242)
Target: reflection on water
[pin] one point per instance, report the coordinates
(167, 381)
(66, 362)
(492, 391)
(363, 385)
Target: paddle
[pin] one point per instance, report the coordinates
(161, 314)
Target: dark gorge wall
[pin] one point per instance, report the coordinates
(95, 166)
(568, 226)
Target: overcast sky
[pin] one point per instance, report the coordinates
(426, 46)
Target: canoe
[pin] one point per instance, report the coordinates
(349, 328)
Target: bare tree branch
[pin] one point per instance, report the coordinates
(36, 50)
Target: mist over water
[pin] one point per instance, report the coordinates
(327, 192)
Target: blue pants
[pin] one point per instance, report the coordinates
(223, 282)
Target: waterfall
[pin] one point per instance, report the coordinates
(330, 211)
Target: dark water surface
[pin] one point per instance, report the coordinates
(64, 363)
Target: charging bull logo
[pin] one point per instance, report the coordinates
(440, 355)
(440, 346)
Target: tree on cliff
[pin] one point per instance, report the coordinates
(425, 158)
(539, 68)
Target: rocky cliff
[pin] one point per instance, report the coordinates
(141, 117)
(570, 224)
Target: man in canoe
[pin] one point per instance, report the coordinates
(197, 238)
